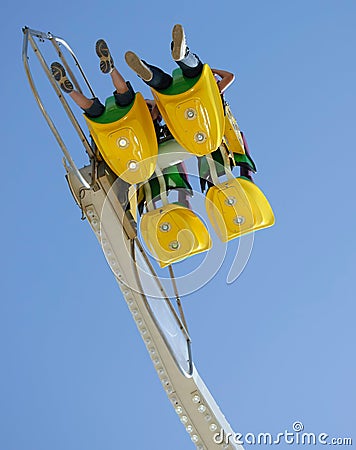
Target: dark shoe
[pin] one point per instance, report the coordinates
(179, 47)
(138, 66)
(106, 61)
(60, 75)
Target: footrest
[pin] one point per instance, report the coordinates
(237, 207)
(173, 233)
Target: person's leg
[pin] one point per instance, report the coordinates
(189, 62)
(191, 65)
(96, 108)
(153, 76)
(81, 100)
(92, 107)
(124, 94)
(118, 81)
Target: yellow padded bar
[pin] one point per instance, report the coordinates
(128, 145)
(195, 117)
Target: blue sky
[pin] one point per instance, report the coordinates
(274, 347)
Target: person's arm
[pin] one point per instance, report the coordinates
(226, 79)
(152, 106)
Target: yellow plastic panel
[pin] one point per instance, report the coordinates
(237, 207)
(196, 116)
(173, 233)
(129, 145)
(232, 134)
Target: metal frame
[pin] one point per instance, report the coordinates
(29, 36)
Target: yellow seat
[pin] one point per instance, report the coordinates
(128, 145)
(173, 233)
(237, 207)
(232, 133)
(195, 117)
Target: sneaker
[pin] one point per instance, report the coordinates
(106, 61)
(138, 66)
(179, 47)
(60, 75)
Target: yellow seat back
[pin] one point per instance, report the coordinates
(195, 117)
(237, 207)
(128, 145)
(173, 233)
(232, 133)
